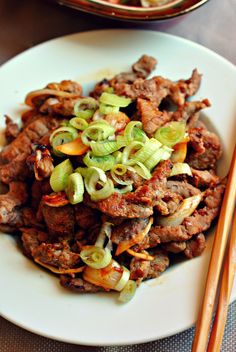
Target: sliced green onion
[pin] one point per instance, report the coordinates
(130, 150)
(162, 153)
(114, 100)
(105, 147)
(60, 174)
(142, 170)
(118, 156)
(71, 130)
(171, 134)
(107, 109)
(123, 280)
(96, 257)
(124, 190)
(128, 292)
(79, 123)
(103, 162)
(85, 108)
(181, 168)
(140, 135)
(185, 209)
(97, 131)
(148, 149)
(109, 90)
(59, 139)
(75, 188)
(129, 130)
(120, 170)
(97, 177)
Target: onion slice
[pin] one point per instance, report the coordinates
(185, 209)
(140, 255)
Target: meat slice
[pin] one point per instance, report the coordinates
(195, 246)
(205, 149)
(15, 170)
(12, 129)
(10, 203)
(204, 178)
(31, 239)
(30, 134)
(79, 285)
(152, 118)
(128, 229)
(143, 269)
(41, 162)
(138, 204)
(158, 88)
(140, 69)
(189, 112)
(86, 217)
(199, 221)
(58, 255)
(38, 189)
(59, 106)
(183, 188)
(174, 247)
(60, 221)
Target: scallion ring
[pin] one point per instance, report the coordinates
(128, 292)
(79, 123)
(96, 257)
(114, 100)
(85, 108)
(60, 174)
(171, 133)
(75, 188)
(105, 162)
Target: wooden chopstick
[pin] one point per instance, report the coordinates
(220, 240)
(225, 291)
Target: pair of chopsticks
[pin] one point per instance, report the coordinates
(200, 342)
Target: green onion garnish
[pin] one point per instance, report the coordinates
(96, 257)
(79, 123)
(105, 162)
(171, 134)
(114, 100)
(128, 292)
(60, 174)
(85, 108)
(75, 188)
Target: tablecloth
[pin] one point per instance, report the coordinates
(26, 23)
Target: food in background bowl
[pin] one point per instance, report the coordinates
(105, 190)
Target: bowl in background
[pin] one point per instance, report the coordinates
(169, 9)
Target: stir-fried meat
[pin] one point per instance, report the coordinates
(30, 134)
(12, 129)
(41, 162)
(118, 205)
(144, 66)
(195, 246)
(189, 112)
(56, 254)
(158, 88)
(15, 170)
(66, 86)
(204, 178)
(38, 189)
(136, 204)
(143, 269)
(198, 222)
(183, 89)
(60, 221)
(10, 203)
(205, 149)
(174, 247)
(128, 229)
(152, 118)
(86, 217)
(99, 88)
(140, 69)
(79, 285)
(58, 106)
(31, 239)
(30, 219)
(182, 188)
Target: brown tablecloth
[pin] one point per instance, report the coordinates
(26, 23)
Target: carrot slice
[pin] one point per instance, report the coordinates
(76, 147)
(180, 152)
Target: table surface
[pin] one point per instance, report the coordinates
(26, 23)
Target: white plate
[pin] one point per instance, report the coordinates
(32, 298)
